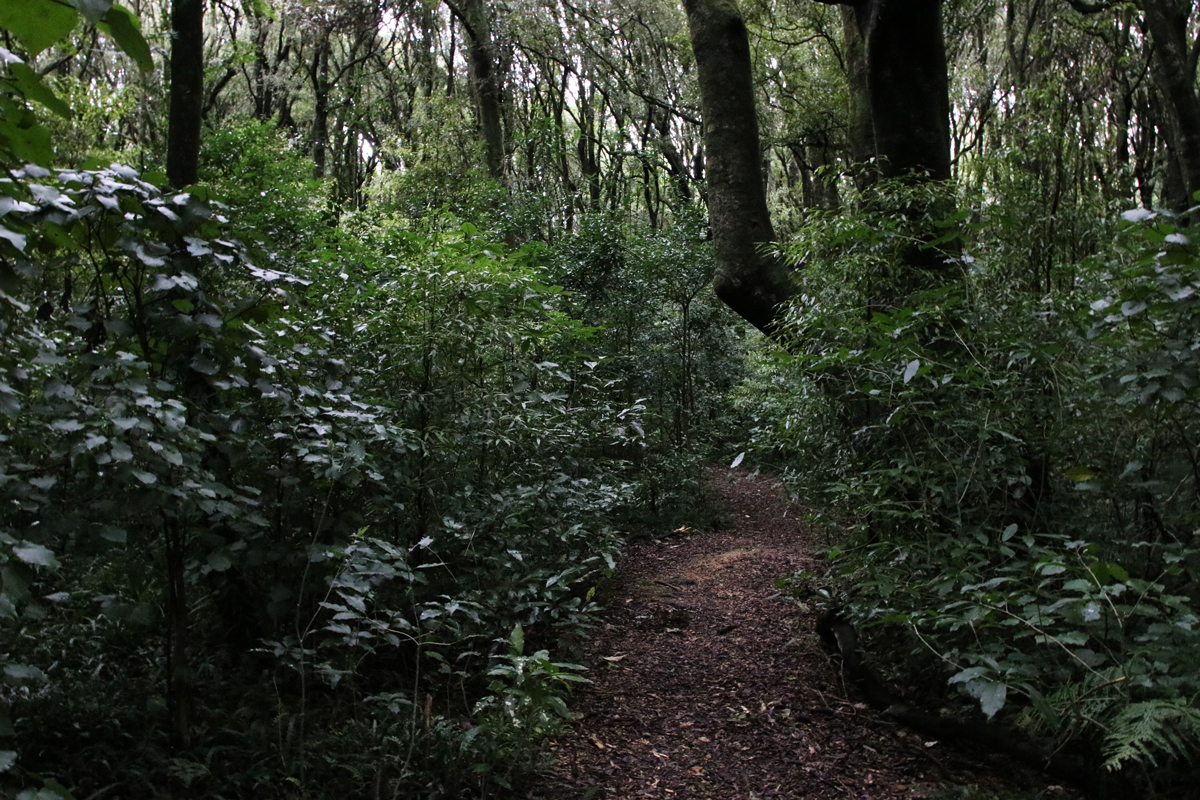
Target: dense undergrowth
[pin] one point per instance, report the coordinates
(1007, 476)
(296, 505)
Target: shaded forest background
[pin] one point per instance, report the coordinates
(323, 428)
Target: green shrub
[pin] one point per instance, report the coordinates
(1011, 476)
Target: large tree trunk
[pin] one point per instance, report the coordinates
(1175, 76)
(862, 130)
(754, 285)
(909, 87)
(187, 92)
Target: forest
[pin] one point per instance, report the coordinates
(345, 345)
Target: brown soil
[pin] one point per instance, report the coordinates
(709, 685)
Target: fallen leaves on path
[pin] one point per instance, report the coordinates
(709, 685)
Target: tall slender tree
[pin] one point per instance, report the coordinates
(187, 92)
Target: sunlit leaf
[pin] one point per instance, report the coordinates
(1078, 474)
(17, 239)
(23, 673)
(92, 10)
(35, 554)
(991, 695)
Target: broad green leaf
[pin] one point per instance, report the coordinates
(35, 554)
(205, 365)
(990, 694)
(120, 451)
(27, 139)
(17, 239)
(16, 579)
(31, 85)
(219, 562)
(1079, 474)
(37, 23)
(1138, 215)
(517, 639)
(1131, 307)
(22, 673)
(122, 25)
(910, 371)
(559, 706)
(7, 759)
(967, 675)
(43, 794)
(113, 534)
(56, 789)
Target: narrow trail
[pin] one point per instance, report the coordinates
(709, 685)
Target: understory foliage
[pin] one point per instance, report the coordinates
(1010, 477)
(297, 502)
(221, 454)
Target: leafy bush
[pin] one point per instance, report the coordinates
(377, 502)
(668, 346)
(1014, 473)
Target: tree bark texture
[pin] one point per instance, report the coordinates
(908, 85)
(755, 286)
(862, 130)
(187, 92)
(1175, 75)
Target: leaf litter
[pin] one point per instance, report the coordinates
(710, 685)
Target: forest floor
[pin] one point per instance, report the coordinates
(710, 685)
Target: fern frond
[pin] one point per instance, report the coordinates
(1144, 731)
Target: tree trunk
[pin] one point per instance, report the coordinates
(756, 286)
(1175, 75)
(862, 130)
(486, 81)
(187, 92)
(260, 86)
(909, 87)
(587, 147)
(319, 76)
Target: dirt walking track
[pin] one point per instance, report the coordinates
(710, 685)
